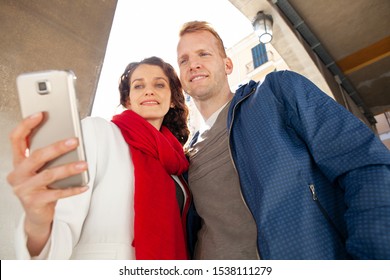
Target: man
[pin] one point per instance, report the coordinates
(280, 170)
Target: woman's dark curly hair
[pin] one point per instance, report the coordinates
(176, 118)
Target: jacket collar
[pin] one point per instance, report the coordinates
(245, 89)
(241, 93)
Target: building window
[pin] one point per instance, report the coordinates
(259, 55)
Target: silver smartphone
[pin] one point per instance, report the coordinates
(53, 92)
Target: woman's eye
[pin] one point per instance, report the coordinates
(160, 85)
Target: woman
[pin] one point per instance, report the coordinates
(135, 204)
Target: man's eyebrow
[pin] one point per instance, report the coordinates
(181, 57)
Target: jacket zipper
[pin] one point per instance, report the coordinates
(234, 165)
(324, 213)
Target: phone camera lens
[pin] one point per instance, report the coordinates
(43, 87)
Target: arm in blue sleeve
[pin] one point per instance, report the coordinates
(351, 156)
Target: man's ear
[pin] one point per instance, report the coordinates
(228, 66)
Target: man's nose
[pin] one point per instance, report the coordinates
(194, 64)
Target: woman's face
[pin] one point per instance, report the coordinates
(150, 94)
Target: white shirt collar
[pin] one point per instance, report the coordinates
(207, 124)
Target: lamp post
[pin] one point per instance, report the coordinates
(262, 25)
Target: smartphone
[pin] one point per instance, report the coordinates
(53, 93)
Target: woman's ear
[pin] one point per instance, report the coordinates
(128, 105)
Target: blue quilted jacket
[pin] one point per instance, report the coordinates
(316, 179)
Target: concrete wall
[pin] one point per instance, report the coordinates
(40, 35)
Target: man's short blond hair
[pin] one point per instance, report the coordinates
(197, 26)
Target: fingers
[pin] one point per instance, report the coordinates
(37, 199)
(25, 174)
(40, 198)
(19, 136)
(40, 157)
(25, 178)
(29, 167)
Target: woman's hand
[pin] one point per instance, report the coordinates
(31, 185)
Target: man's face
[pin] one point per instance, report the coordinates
(203, 70)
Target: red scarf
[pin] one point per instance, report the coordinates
(158, 231)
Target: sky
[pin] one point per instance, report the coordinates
(143, 28)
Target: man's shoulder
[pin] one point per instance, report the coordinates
(284, 74)
(271, 77)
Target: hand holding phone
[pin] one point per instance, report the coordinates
(31, 187)
(53, 93)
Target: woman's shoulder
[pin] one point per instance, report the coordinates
(95, 121)
(98, 128)
(98, 124)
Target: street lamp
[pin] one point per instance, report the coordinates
(262, 25)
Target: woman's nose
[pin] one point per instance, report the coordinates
(149, 91)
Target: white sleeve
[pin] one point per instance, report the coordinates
(51, 249)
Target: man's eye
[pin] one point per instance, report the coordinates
(182, 61)
(204, 54)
